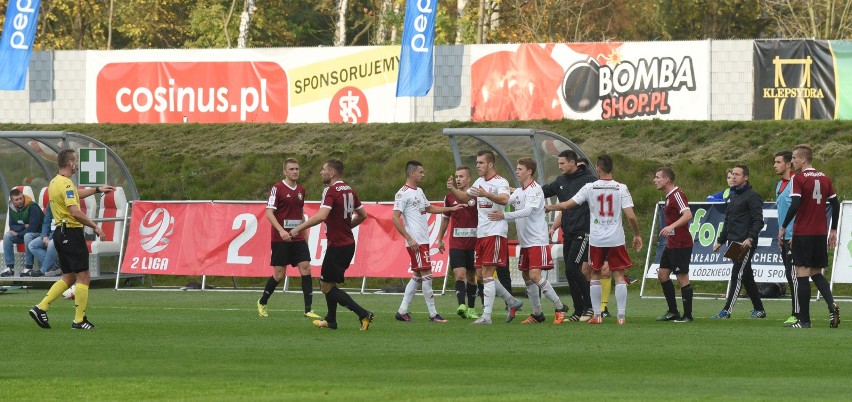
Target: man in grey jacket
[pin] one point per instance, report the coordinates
(743, 223)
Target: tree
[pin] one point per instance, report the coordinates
(818, 19)
(710, 19)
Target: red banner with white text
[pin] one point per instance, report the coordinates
(233, 239)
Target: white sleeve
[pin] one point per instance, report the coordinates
(582, 195)
(626, 198)
(399, 202)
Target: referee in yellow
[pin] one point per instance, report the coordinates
(70, 241)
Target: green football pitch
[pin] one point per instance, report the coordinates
(211, 345)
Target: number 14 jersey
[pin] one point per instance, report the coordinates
(343, 202)
(606, 198)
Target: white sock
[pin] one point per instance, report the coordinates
(488, 290)
(535, 299)
(596, 293)
(505, 294)
(410, 290)
(429, 295)
(621, 297)
(550, 294)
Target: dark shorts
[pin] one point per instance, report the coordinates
(810, 251)
(291, 253)
(676, 260)
(335, 263)
(462, 259)
(576, 249)
(71, 246)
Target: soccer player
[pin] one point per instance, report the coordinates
(70, 242)
(607, 198)
(575, 230)
(530, 221)
(491, 193)
(462, 245)
(678, 250)
(811, 191)
(412, 206)
(783, 166)
(743, 223)
(341, 210)
(285, 210)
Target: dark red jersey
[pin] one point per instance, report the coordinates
(289, 205)
(815, 189)
(463, 223)
(343, 202)
(676, 204)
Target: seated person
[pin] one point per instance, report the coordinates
(43, 249)
(25, 218)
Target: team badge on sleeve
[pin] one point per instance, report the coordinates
(69, 194)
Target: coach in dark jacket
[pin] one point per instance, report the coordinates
(575, 229)
(743, 223)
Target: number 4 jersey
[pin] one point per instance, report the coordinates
(343, 202)
(606, 198)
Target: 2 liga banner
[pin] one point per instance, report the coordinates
(233, 239)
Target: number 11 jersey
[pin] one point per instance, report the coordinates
(606, 198)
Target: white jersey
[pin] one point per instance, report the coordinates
(606, 198)
(529, 216)
(412, 203)
(484, 206)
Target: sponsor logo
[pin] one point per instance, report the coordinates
(349, 105)
(155, 229)
(25, 16)
(199, 92)
(367, 69)
(802, 95)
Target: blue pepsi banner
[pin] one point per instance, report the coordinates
(18, 36)
(415, 59)
(705, 227)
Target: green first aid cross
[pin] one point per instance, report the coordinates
(92, 167)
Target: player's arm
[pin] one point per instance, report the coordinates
(562, 206)
(685, 217)
(432, 209)
(460, 195)
(501, 198)
(755, 205)
(318, 218)
(835, 217)
(270, 216)
(442, 231)
(396, 218)
(359, 217)
(634, 224)
(81, 217)
(85, 192)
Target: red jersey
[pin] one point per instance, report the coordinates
(676, 204)
(463, 222)
(343, 202)
(814, 189)
(289, 205)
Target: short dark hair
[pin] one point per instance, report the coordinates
(605, 163)
(335, 164)
(411, 166)
(744, 168)
(667, 172)
(65, 156)
(489, 155)
(528, 163)
(570, 155)
(787, 155)
(15, 192)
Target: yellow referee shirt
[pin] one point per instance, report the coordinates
(63, 194)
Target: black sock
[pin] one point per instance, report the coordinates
(307, 292)
(331, 303)
(471, 294)
(669, 292)
(504, 277)
(686, 295)
(824, 288)
(460, 288)
(345, 300)
(804, 299)
(271, 284)
(480, 287)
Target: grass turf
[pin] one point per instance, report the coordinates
(212, 346)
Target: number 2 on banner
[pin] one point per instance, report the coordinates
(234, 256)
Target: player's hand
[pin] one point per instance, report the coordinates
(99, 232)
(637, 242)
(106, 189)
(666, 231)
(496, 216)
(451, 184)
(551, 207)
(284, 235)
(781, 233)
(832, 239)
(412, 245)
(45, 240)
(457, 207)
(478, 191)
(747, 243)
(550, 232)
(441, 246)
(295, 232)
(716, 247)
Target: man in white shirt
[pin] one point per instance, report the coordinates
(492, 193)
(529, 217)
(607, 198)
(412, 206)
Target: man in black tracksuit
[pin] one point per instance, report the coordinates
(743, 223)
(575, 229)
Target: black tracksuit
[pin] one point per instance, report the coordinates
(743, 220)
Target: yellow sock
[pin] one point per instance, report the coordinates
(606, 287)
(53, 294)
(81, 300)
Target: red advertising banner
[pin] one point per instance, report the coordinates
(233, 239)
